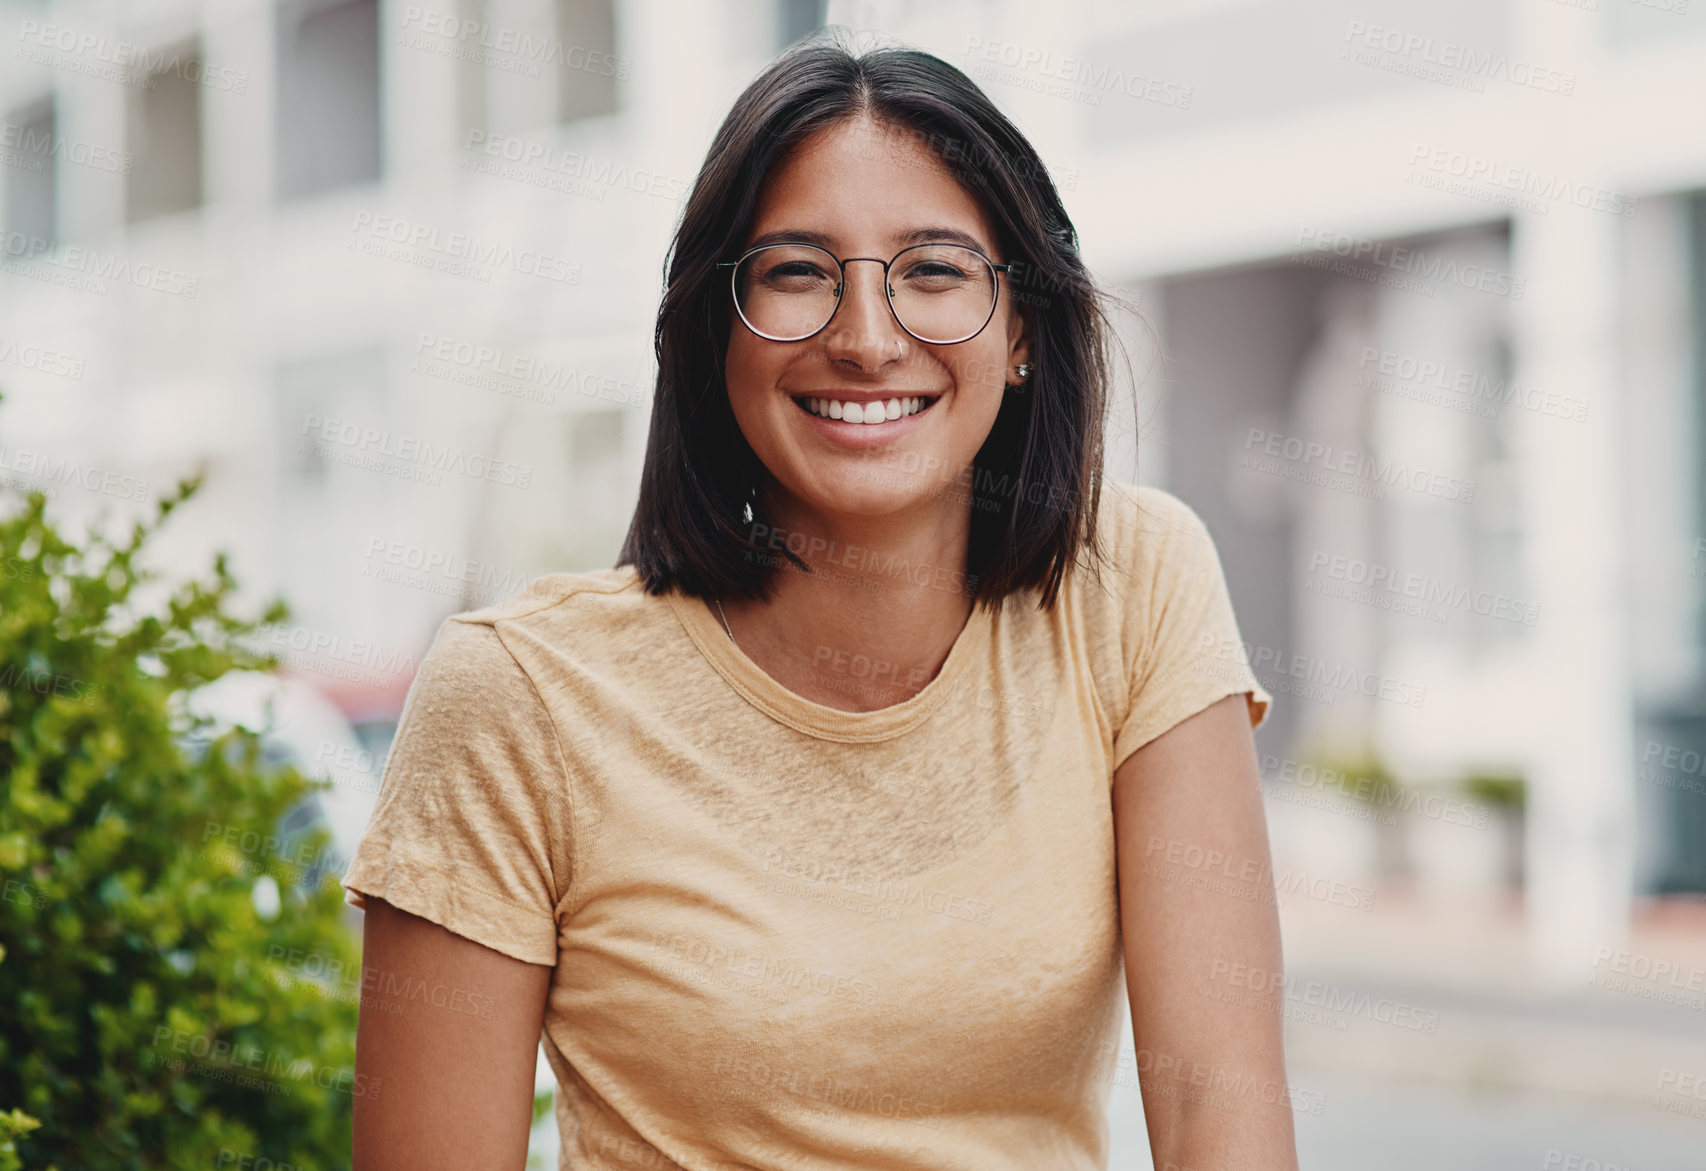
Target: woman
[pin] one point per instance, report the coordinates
(796, 832)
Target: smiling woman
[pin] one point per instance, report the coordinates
(818, 830)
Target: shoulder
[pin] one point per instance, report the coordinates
(473, 651)
(1150, 511)
(1152, 536)
(552, 591)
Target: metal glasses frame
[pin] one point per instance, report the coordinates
(888, 289)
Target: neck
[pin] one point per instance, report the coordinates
(860, 632)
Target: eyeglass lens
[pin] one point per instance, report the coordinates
(940, 292)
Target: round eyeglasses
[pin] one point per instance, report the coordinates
(939, 293)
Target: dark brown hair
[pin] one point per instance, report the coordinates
(1036, 480)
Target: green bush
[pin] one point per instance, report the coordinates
(1362, 776)
(1507, 791)
(147, 1016)
(12, 1124)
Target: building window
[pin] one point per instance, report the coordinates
(27, 163)
(315, 455)
(328, 96)
(1694, 205)
(164, 140)
(587, 64)
(1496, 515)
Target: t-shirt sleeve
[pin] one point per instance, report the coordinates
(1188, 654)
(468, 830)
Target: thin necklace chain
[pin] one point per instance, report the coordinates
(719, 602)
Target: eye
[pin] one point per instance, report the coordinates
(936, 274)
(792, 274)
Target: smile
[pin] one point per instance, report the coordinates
(870, 413)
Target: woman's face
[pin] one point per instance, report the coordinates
(860, 191)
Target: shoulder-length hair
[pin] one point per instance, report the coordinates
(1036, 481)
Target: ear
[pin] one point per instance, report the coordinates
(1021, 330)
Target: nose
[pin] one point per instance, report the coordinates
(864, 330)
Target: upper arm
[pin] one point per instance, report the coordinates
(447, 1045)
(464, 872)
(1196, 907)
(1181, 639)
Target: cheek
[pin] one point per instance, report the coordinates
(748, 369)
(982, 372)
(737, 360)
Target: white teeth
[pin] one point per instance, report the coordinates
(872, 412)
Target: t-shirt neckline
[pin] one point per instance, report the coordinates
(756, 686)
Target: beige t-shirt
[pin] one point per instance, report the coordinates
(785, 935)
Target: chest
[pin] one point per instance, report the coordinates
(768, 926)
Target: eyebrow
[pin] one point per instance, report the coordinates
(930, 235)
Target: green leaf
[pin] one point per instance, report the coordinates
(135, 950)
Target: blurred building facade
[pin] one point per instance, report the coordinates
(1428, 279)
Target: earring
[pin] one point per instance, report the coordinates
(1024, 371)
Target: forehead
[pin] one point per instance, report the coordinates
(860, 185)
